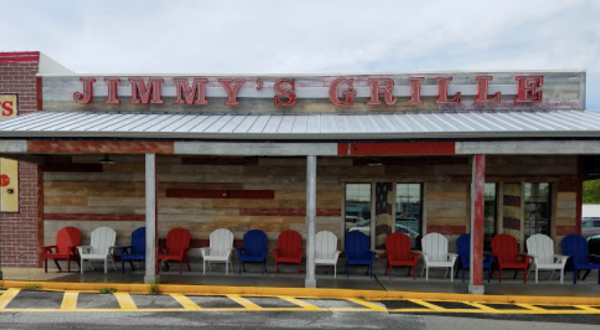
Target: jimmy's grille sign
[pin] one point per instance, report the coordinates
(9, 169)
(285, 92)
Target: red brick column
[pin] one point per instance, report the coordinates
(21, 232)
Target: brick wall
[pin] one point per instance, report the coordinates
(19, 231)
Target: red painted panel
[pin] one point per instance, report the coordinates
(397, 148)
(289, 212)
(579, 195)
(567, 230)
(478, 221)
(19, 57)
(216, 193)
(38, 93)
(196, 193)
(447, 230)
(94, 217)
(73, 168)
(99, 147)
(252, 194)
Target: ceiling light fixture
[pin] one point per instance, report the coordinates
(106, 160)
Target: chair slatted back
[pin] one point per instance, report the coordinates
(542, 247)
(506, 248)
(358, 245)
(398, 246)
(221, 242)
(325, 245)
(66, 238)
(289, 243)
(463, 248)
(178, 239)
(255, 243)
(138, 241)
(576, 247)
(102, 239)
(436, 246)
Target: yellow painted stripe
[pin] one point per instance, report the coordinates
(589, 309)
(244, 302)
(7, 297)
(531, 307)
(428, 305)
(69, 300)
(186, 302)
(125, 301)
(367, 304)
(301, 303)
(480, 306)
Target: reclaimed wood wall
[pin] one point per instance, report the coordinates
(202, 194)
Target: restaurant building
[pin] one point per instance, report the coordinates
(446, 152)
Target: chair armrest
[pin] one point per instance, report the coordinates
(594, 258)
(489, 257)
(111, 249)
(123, 250)
(336, 255)
(563, 259)
(451, 257)
(48, 248)
(84, 249)
(276, 252)
(524, 257)
(414, 255)
(373, 254)
(425, 256)
(240, 252)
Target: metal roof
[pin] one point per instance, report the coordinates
(405, 125)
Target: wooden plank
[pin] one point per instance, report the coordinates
(396, 148)
(447, 221)
(98, 147)
(451, 196)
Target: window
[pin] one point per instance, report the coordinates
(489, 227)
(537, 208)
(408, 211)
(358, 207)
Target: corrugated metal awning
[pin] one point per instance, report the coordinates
(338, 126)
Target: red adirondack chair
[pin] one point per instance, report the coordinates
(398, 252)
(289, 249)
(67, 239)
(506, 250)
(176, 249)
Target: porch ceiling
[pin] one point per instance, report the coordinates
(407, 125)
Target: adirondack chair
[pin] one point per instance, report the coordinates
(67, 240)
(576, 248)
(176, 249)
(326, 252)
(541, 248)
(289, 249)
(254, 250)
(221, 245)
(398, 252)
(435, 254)
(100, 248)
(463, 247)
(358, 251)
(506, 251)
(136, 251)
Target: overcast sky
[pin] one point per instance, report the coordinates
(309, 36)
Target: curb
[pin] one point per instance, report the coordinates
(305, 292)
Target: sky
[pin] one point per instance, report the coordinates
(309, 36)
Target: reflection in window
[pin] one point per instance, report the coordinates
(358, 207)
(384, 199)
(489, 227)
(408, 211)
(537, 209)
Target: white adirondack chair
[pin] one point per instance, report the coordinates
(541, 248)
(221, 245)
(435, 253)
(326, 252)
(100, 248)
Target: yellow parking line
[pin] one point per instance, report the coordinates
(532, 308)
(588, 309)
(125, 301)
(301, 303)
(7, 297)
(428, 305)
(186, 302)
(244, 302)
(69, 300)
(367, 304)
(480, 306)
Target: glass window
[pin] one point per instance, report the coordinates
(537, 208)
(358, 207)
(384, 199)
(408, 211)
(489, 227)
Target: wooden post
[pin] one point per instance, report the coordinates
(311, 215)
(151, 275)
(477, 214)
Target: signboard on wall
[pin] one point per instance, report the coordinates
(9, 169)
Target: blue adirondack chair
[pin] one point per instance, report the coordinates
(137, 249)
(254, 250)
(576, 248)
(358, 251)
(463, 247)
